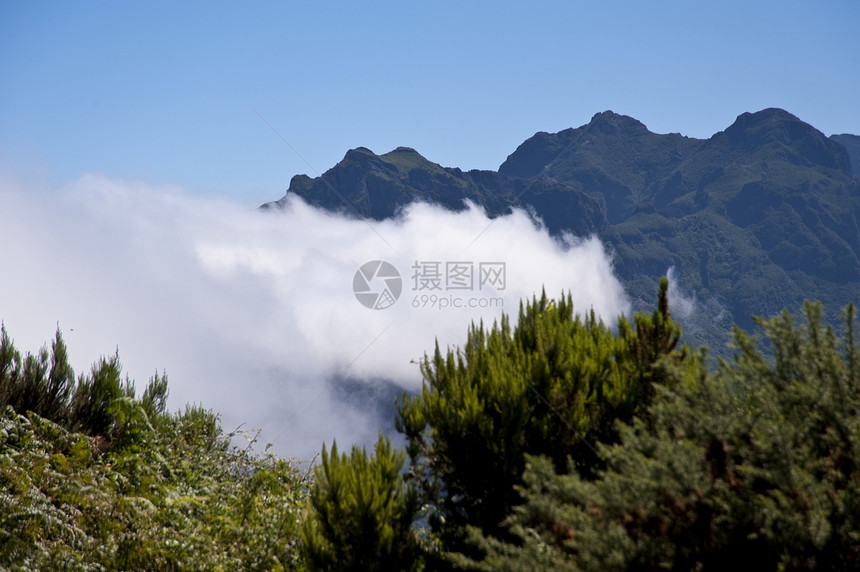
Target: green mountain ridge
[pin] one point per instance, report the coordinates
(378, 186)
(754, 219)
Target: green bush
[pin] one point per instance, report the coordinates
(146, 490)
(754, 466)
(36, 382)
(362, 513)
(553, 385)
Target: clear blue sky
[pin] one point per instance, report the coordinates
(169, 92)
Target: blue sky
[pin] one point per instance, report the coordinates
(170, 92)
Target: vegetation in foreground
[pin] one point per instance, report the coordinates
(93, 477)
(556, 444)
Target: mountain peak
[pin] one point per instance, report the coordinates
(766, 118)
(773, 128)
(609, 120)
(359, 151)
(607, 137)
(757, 215)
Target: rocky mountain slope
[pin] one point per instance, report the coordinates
(754, 219)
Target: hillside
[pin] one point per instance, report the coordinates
(754, 219)
(376, 186)
(852, 145)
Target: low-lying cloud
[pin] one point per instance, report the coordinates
(680, 304)
(253, 313)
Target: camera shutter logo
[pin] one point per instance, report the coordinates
(377, 285)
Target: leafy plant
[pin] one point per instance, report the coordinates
(362, 512)
(36, 382)
(552, 386)
(145, 490)
(754, 466)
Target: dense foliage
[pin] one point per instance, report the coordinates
(116, 483)
(752, 467)
(552, 385)
(556, 444)
(362, 513)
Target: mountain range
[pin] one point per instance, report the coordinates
(752, 220)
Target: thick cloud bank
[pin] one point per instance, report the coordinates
(253, 314)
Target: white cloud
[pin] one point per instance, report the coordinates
(681, 305)
(252, 314)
